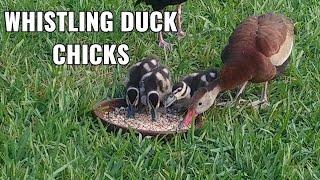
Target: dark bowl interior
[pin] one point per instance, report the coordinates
(106, 106)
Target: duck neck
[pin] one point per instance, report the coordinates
(235, 75)
(214, 89)
(214, 92)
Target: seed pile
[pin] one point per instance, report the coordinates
(142, 121)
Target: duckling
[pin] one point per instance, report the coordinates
(154, 86)
(183, 90)
(136, 72)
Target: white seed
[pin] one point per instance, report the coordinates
(142, 121)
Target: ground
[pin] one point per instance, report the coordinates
(47, 131)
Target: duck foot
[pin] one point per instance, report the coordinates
(181, 35)
(167, 46)
(260, 103)
(242, 101)
(231, 103)
(225, 104)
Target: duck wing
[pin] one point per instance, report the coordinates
(241, 40)
(275, 37)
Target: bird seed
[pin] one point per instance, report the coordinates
(166, 122)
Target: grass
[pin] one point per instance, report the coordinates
(47, 132)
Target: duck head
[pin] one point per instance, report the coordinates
(201, 101)
(180, 91)
(132, 98)
(153, 101)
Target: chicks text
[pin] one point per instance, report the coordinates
(89, 22)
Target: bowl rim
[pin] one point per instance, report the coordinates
(107, 103)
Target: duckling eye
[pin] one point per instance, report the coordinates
(200, 103)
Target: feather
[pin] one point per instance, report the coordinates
(247, 57)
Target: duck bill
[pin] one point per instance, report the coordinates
(154, 114)
(170, 101)
(131, 111)
(188, 118)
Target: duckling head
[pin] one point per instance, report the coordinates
(202, 100)
(153, 101)
(180, 91)
(132, 98)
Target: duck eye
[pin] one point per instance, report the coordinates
(200, 103)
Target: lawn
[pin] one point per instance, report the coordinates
(47, 131)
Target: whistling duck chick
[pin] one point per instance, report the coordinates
(154, 86)
(159, 5)
(136, 72)
(183, 90)
(257, 51)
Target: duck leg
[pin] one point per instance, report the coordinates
(264, 101)
(162, 42)
(180, 32)
(243, 86)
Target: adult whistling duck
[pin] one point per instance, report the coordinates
(154, 86)
(257, 50)
(136, 72)
(159, 5)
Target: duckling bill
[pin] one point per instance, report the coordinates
(136, 72)
(154, 86)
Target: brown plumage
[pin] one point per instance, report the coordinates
(252, 48)
(257, 50)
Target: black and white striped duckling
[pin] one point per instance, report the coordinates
(183, 90)
(154, 86)
(136, 72)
